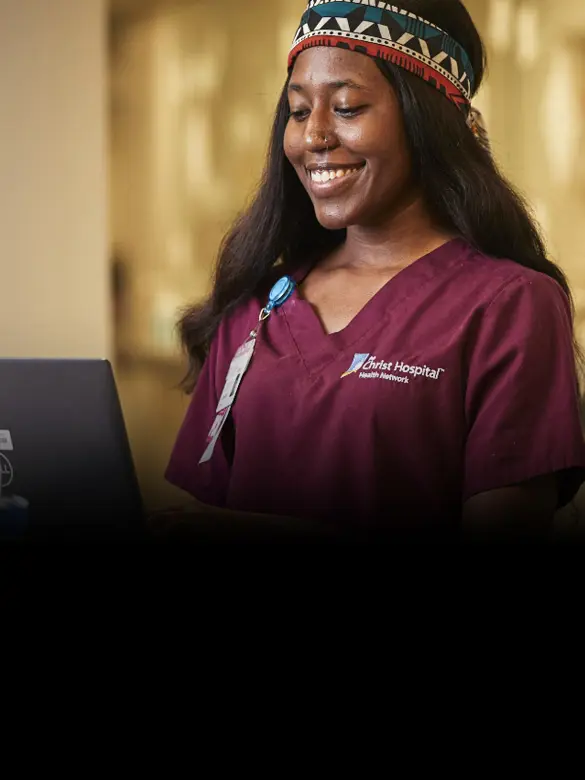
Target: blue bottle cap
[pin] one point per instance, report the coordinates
(281, 291)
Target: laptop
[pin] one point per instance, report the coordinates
(64, 450)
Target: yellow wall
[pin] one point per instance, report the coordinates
(535, 105)
(54, 270)
(194, 87)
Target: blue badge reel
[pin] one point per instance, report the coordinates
(280, 293)
(277, 296)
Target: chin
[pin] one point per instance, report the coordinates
(333, 219)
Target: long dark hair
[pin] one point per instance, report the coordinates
(461, 183)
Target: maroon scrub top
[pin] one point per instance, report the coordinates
(456, 378)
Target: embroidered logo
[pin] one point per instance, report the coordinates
(357, 363)
(370, 367)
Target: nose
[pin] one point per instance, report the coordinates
(319, 135)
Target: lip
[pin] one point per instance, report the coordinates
(334, 186)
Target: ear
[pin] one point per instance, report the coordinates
(478, 127)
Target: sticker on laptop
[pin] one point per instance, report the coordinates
(5, 441)
(6, 472)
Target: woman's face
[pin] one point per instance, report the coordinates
(346, 138)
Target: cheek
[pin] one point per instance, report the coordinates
(356, 136)
(292, 145)
(387, 153)
(372, 139)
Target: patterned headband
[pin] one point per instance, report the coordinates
(387, 32)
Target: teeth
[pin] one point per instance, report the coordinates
(325, 176)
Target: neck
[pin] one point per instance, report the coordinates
(401, 239)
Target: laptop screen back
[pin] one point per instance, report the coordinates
(64, 447)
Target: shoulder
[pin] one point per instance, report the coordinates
(237, 324)
(520, 317)
(493, 285)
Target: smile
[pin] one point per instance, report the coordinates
(332, 179)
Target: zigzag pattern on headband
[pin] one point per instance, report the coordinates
(388, 32)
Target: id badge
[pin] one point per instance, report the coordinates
(214, 434)
(278, 295)
(237, 369)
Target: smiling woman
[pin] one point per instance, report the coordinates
(415, 370)
(346, 138)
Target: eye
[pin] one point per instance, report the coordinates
(348, 113)
(299, 115)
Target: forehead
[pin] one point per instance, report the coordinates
(324, 65)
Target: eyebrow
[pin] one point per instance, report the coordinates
(348, 83)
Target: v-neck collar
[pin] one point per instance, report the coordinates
(318, 348)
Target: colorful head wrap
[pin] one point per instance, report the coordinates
(390, 33)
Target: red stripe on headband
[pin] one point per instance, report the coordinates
(396, 57)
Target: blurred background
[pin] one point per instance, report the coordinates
(133, 131)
